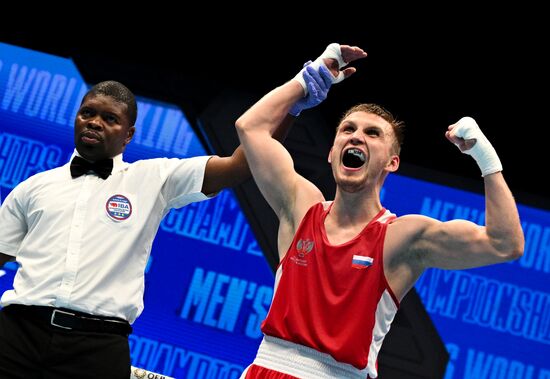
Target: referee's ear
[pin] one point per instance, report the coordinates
(130, 135)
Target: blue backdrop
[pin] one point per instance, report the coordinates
(208, 286)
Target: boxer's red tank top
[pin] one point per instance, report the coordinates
(334, 298)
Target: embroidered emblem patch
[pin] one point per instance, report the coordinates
(119, 207)
(303, 248)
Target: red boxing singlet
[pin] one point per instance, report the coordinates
(334, 298)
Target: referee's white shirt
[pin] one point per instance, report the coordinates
(83, 243)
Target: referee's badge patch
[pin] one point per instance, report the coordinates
(138, 373)
(119, 207)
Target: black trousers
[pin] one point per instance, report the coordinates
(35, 350)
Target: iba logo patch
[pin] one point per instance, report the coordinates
(119, 207)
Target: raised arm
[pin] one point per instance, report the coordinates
(461, 244)
(223, 172)
(416, 242)
(271, 164)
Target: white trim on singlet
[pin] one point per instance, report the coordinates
(302, 361)
(385, 312)
(278, 275)
(326, 204)
(385, 217)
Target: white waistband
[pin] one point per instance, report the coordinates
(302, 361)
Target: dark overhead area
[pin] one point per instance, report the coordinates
(429, 78)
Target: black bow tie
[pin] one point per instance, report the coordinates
(80, 166)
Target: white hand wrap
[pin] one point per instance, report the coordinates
(482, 151)
(332, 51)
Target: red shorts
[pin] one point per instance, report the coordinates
(259, 372)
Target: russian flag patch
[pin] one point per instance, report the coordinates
(361, 262)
